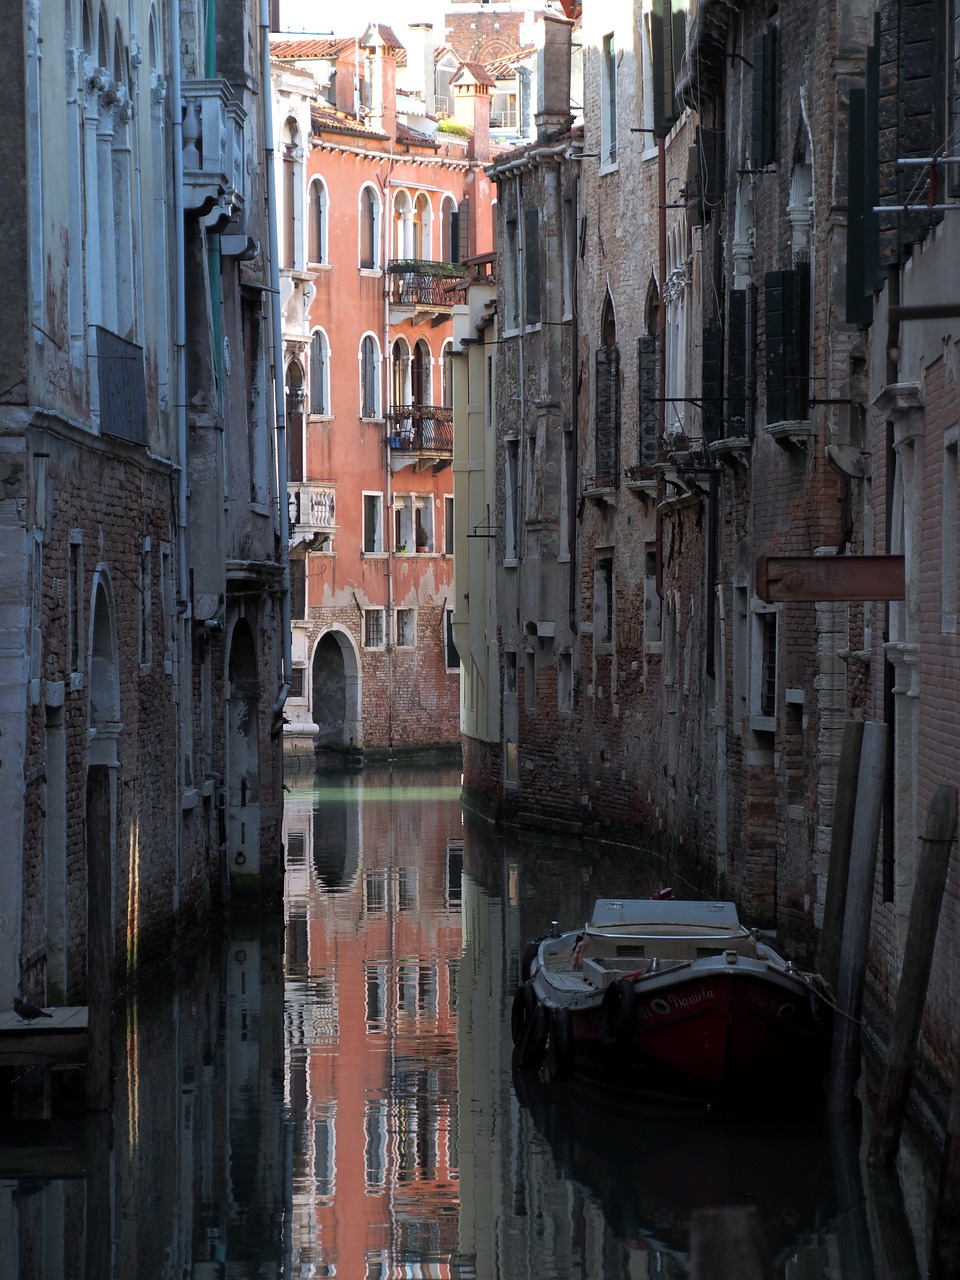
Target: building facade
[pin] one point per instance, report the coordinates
(761, 386)
(143, 567)
(378, 215)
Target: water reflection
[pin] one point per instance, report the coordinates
(336, 1097)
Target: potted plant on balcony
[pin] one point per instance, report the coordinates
(421, 540)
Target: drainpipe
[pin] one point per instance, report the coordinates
(180, 356)
(387, 386)
(521, 387)
(276, 727)
(661, 341)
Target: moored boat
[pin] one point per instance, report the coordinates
(671, 996)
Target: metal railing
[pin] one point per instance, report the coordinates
(421, 428)
(417, 283)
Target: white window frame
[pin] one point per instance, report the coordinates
(369, 623)
(377, 215)
(376, 549)
(318, 199)
(408, 639)
(608, 103)
(369, 342)
(324, 411)
(762, 718)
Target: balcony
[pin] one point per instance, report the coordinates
(420, 436)
(213, 167)
(420, 288)
(313, 515)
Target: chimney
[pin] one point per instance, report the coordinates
(345, 82)
(470, 87)
(553, 114)
(421, 68)
(382, 87)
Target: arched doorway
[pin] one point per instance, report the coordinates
(243, 754)
(335, 691)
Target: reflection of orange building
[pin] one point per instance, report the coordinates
(374, 939)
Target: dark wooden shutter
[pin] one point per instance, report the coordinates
(453, 236)
(663, 30)
(463, 247)
(788, 344)
(774, 312)
(608, 416)
(858, 306)
(648, 401)
(531, 265)
(712, 383)
(367, 227)
(736, 417)
(764, 116)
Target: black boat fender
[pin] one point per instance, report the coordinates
(534, 1046)
(523, 1005)
(560, 1045)
(618, 1012)
(528, 957)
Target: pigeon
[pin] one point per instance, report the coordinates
(27, 1011)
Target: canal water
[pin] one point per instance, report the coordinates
(333, 1095)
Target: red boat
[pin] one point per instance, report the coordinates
(671, 996)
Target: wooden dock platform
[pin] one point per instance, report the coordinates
(59, 1039)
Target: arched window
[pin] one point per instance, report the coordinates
(369, 229)
(607, 400)
(420, 371)
(449, 230)
(446, 375)
(402, 248)
(422, 228)
(400, 373)
(369, 377)
(319, 374)
(319, 213)
(294, 412)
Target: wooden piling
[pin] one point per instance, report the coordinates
(728, 1242)
(945, 1244)
(929, 883)
(841, 837)
(845, 1059)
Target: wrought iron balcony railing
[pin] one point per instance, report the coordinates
(427, 285)
(421, 428)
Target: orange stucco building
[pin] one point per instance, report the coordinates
(379, 204)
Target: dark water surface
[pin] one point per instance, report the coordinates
(336, 1097)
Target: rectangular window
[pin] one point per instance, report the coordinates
(450, 649)
(406, 628)
(146, 603)
(564, 682)
(530, 681)
(373, 630)
(512, 274)
(512, 507)
(298, 588)
(652, 611)
(608, 101)
(603, 601)
(448, 526)
(74, 603)
(511, 763)
(503, 110)
(509, 674)
(372, 523)
(423, 524)
(787, 297)
(763, 670)
(296, 682)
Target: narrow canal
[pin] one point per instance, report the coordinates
(337, 1097)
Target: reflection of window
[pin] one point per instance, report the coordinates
(375, 891)
(375, 976)
(372, 523)
(296, 849)
(454, 886)
(375, 1130)
(325, 1152)
(373, 629)
(407, 889)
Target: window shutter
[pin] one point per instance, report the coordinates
(531, 265)
(858, 307)
(712, 383)
(871, 167)
(453, 241)
(648, 401)
(763, 137)
(662, 31)
(737, 363)
(776, 348)
(463, 247)
(608, 416)
(797, 342)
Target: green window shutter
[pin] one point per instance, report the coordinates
(454, 241)
(773, 288)
(531, 264)
(647, 353)
(663, 32)
(463, 231)
(858, 306)
(737, 363)
(797, 340)
(607, 419)
(712, 383)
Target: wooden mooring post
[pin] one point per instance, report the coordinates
(841, 838)
(929, 883)
(727, 1243)
(945, 1244)
(845, 1058)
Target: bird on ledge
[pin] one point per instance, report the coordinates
(27, 1011)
